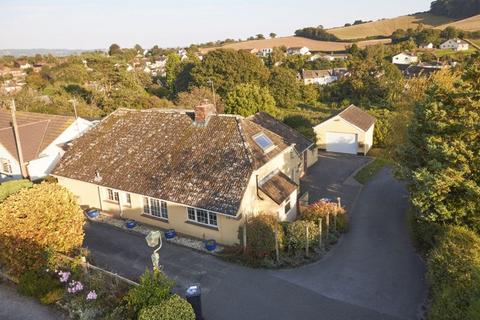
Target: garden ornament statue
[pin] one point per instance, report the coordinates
(154, 238)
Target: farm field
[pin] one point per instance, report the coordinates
(469, 24)
(386, 27)
(313, 45)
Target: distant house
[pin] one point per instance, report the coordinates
(321, 77)
(194, 171)
(427, 46)
(265, 52)
(298, 51)
(42, 138)
(455, 44)
(422, 69)
(405, 58)
(335, 57)
(348, 131)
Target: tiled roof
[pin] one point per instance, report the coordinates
(163, 154)
(37, 131)
(312, 74)
(357, 117)
(289, 135)
(278, 187)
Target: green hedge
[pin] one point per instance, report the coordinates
(13, 186)
(154, 288)
(261, 235)
(454, 275)
(174, 308)
(296, 235)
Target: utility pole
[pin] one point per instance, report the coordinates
(210, 82)
(23, 167)
(74, 103)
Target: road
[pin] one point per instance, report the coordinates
(16, 307)
(373, 273)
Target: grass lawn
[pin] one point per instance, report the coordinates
(371, 169)
(449, 52)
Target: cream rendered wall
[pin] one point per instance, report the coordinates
(252, 204)
(312, 156)
(227, 232)
(338, 124)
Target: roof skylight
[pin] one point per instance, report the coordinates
(263, 141)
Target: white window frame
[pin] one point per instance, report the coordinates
(113, 195)
(211, 216)
(128, 199)
(6, 165)
(289, 203)
(155, 208)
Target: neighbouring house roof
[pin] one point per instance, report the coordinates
(37, 131)
(456, 40)
(355, 116)
(312, 74)
(278, 187)
(164, 154)
(289, 135)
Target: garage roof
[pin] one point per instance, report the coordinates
(355, 116)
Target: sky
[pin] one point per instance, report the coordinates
(95, 24)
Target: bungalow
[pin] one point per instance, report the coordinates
(427, 46)
(264, 52)
(348, 131)
(42, 137)
(198, 172)
(298, 51)
(405, 58)
(455, 44)
(319, 77)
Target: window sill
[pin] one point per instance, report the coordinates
(215, 228)
(111, 201)
(149, 216)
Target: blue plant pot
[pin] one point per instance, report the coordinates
(210, 245)
(130, 224)
(170, 234)
(93, 213)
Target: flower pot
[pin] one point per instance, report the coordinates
(210, 245)
(130, 224)
(170, 234)
(92, 213)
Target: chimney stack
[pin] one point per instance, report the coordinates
(203, 113)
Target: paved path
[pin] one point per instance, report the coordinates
(16, 307)
(373, 273)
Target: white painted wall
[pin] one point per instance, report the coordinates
(16, 172)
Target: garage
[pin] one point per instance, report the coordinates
(342, 142)
(349, 130)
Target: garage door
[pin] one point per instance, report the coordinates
(342, 142)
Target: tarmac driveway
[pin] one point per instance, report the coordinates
(373, 273)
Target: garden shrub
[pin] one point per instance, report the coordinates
(10, 187)
(261, 235)
(41, 286)
(174, 308)
(454, 275)
(424, 233)
(35, 222)
(296, 236)
(154, 288)
(320, 209)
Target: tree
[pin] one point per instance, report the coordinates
(248, 99)
(36, 222)
(260, 36)
(197, 96)
(455, 8)
(138, 48)
(228, 68)
(316, 34)
(273, 35)
(449, 33)
(172, 69)
(284, 87)
(444, 148)
(114, 50)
